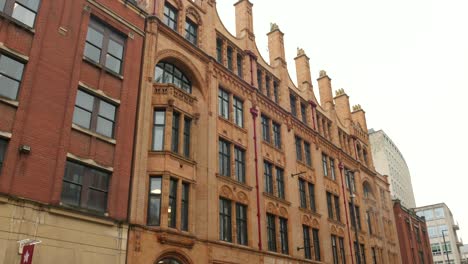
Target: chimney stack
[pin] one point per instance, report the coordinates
(304, 78)
(325, 89)
(359, 116)
(276, 46)
(244, 20)
(342, 107)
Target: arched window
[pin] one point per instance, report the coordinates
(169, 261)
(367, 190)
(169, 73)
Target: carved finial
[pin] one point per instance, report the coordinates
(300, 51)
(143, 4)
(357, 107)
(322, 73)
(339, 92)
(273, 27)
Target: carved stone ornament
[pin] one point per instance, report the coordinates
(300, 51)
(271, 208)
(283, 212)
(226, 192)
(273, 27)
(322, 73)
(143, 4)
(305, 220)
(339, 92)
(242, 198)
(315, 223)
(176, 240)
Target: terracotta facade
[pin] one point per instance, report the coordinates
(223, 113)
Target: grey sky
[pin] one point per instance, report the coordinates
(404, 61)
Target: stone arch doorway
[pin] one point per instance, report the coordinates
(172, 258)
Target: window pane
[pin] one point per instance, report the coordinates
(154, 210)
(105, 127)
(24, 15)
(172, 210)
(159, 117)
(82, 118)
(11, 68)
(99, 180)
(31, 4)
(2, 4)
(112, 63)
(8, 87)
(84, 100)
(106, 110)
(95, 37)
(97, 200)
(158, 73)
(92, 53)
(71, 194)
(115, 48)
(158, 138)
(3, 148)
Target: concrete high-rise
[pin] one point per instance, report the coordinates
(442, 231)
(388, 160)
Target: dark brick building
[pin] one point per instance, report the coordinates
(412, 235)
(69, 78)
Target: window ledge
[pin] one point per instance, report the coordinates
(307, 210)
(99, 66)
(235, 182)
(93, 134)
(335, 222)
(13, 53)
(6, 135)
(230, 122)
(272, 146)
(271, 196)
(83, 214)
(174, 155)
(9, 102)
(18, 23)
(90, 162)
(98, 92)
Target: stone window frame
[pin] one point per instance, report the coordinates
(10, 6)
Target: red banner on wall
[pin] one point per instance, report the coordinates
(27, 256)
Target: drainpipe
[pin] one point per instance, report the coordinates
(341, 167)
(313, 108)
(254, 113)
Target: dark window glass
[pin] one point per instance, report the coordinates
(298, 142)
(332, 169)
(219, 50)
(268, 168)
(267, 86)
(265, 128)
(159, 122)
(275, 92)
(374, 256)
(302, 193)
(271, 232)
(293, 102)
(11, 74)
(350, 181)
(280, 182)
(315, 235)
(342, 250)
(104, 46)
(307, 244)
(312, 197)
(239, 65)
(184, 216)
(172, 210)
(259, 80)
(284, 235)
(355, 215)
(3, 148)
(175, 131)
(303, 113)
(94, 114)
(170, 16)
(241, 223)
(169, 73)
(277, 135)
(229, 58)
(238, 112)
(337, 207)
(325, 165)
(24, 11)
(85, 187)
(223, 103)
(187, 126)
(334, 249)
(308, 156)
(191, 30)
(363, 254)
(369, 223)
(330, 205)
(154, 203)
(224, 158)
(239, 156)
(225, 220)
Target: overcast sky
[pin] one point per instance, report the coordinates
(404, 61)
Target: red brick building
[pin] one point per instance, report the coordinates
(412, 235)
(69, 78)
